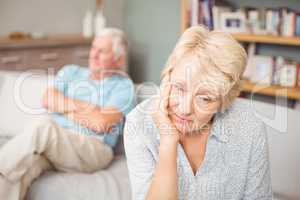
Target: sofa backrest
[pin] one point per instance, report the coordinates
(20, 97)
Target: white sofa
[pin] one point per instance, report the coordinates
(20, 96)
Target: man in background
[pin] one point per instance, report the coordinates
(87, 108)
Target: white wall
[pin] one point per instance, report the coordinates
(53, 16)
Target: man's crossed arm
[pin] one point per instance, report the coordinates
(99, 119)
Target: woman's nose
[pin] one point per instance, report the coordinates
(186, 106)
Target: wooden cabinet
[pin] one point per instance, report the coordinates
(47, 54)
(80, 55)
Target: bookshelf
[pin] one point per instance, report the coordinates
(248, 87)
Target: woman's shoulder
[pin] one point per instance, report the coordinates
(243, 110)
(140, 118)
(244, 118)
(142, 111)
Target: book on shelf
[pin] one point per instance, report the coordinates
(298, 75)
(216, 14)
(262, 69)
(249, 71)
(298, 24)
(275, 21)
(272, 21)
(287, 26)
(194, 12)
(287, 72)
(279, 63)
(270, 70)
(206, 12)
(252, 15)
(288, 75)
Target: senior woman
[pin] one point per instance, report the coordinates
(195, 141)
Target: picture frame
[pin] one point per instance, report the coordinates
(233, 22)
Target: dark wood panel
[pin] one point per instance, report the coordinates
(12, 60)
(50, 53)
(80, 55)
(48, 58)
(50, 41)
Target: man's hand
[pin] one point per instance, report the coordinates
(91, 119)
(56, 101)
(101, 120)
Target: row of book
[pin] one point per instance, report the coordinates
(276, 21)
(270, 70)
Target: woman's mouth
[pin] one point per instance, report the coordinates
(181, 120)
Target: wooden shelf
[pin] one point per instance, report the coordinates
(244, 37)
(268, 39)
(274, 90)
(51, 40)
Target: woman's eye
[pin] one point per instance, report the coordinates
(203, 99)
(179, 89)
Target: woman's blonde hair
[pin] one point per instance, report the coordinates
(221, 57)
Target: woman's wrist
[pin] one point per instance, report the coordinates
(168, 142)
(169, 139)
(170, 136)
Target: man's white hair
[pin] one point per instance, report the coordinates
(120, 43)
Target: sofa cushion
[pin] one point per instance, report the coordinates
(111, 184)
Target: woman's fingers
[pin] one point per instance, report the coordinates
(161, 116)
(165, 93)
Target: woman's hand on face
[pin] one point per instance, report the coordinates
(168, 132)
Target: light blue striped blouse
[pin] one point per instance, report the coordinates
(236, 164)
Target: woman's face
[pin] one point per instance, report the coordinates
(191, 105)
